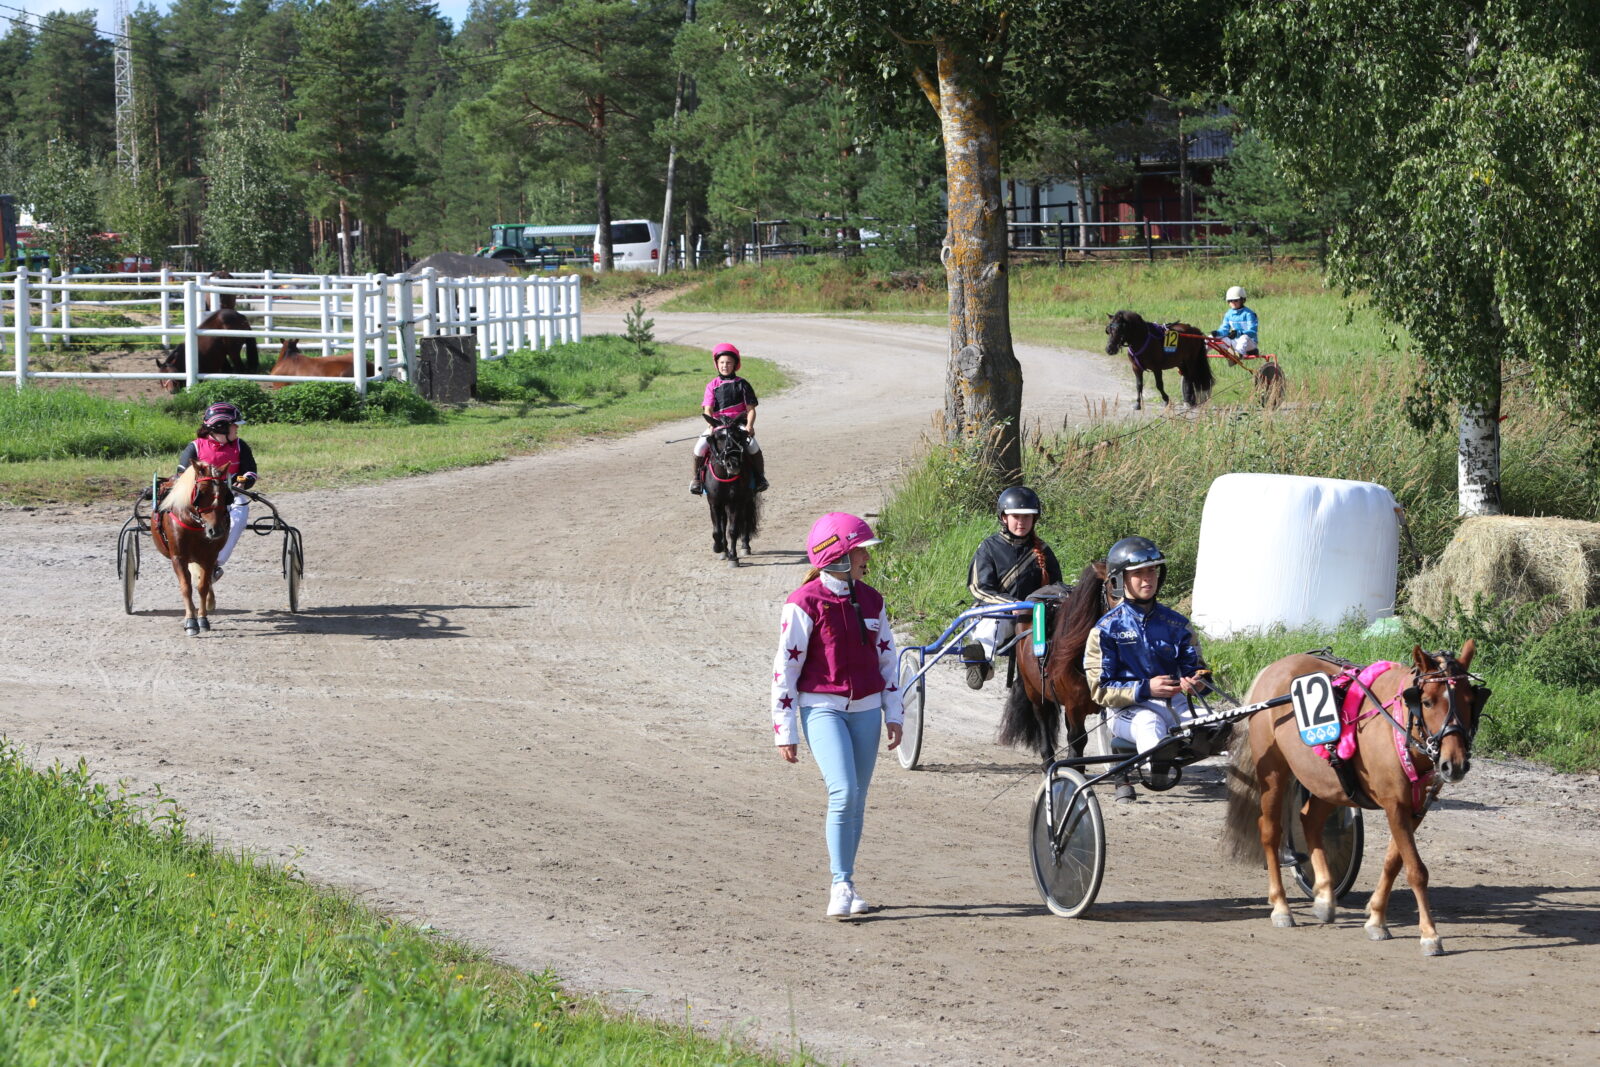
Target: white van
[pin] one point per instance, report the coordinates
(635, 244)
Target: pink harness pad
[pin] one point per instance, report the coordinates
(1354, 696)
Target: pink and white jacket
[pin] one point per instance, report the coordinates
(823, 660)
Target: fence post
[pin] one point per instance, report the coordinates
(408, 327)
(378, 300)
(358, 329)
(1061, 243)
(1149, 243)
(1269, 242)
(430, 302)
(166, 307)
(519, 312)
(191, 333)
(266, 302)
(46, 302)
(329, 311)
(22, 318)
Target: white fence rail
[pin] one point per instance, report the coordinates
(377, 316)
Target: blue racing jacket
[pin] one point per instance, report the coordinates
(1128, 647)
(1242, 321)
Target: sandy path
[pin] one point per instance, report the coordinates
(526, 705)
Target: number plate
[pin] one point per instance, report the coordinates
(1038, 629)
(1170, 343)
(1314, 708)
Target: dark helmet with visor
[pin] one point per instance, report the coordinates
(1132, 554)
(1018, 500)
(221, 414)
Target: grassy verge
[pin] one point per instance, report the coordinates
(329, 454)
(122, 941)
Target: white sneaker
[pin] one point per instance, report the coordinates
(857, 905)
(840, 897)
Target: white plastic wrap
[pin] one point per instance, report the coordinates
(1280, 549)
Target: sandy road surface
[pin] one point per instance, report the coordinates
(526, 705)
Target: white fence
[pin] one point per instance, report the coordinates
(378, 316)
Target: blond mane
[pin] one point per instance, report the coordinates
(181, 491)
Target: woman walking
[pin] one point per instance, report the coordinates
(834, 677)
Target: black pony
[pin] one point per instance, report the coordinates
(729, 489)
(1156, 347)
(218, 355)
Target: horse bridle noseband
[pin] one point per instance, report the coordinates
(733, 444)
(1454, 676)
(194, 494)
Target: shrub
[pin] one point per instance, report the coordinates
(254, 402)
(595, 369)
(317, 401)
(1568, 654)
(396, 401)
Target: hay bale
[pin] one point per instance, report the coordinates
(456, 265)
(1513, 559)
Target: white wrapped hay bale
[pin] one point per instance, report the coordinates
(1281, 549)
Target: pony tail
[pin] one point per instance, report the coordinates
(1038, 554)
(1241, 829)
(811, 575)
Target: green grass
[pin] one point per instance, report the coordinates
(123, 941)
(294, 457)
(56, 424)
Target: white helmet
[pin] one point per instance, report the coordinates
(1236, 293)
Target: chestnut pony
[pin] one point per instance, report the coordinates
(1035, 709)
(189, 526)
(1424, 728)
(292, 361)
(218, 355)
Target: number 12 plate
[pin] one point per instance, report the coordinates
(1314, 708)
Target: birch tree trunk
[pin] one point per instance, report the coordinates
(983, 393)
(1478, 459)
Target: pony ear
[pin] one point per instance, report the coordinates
(1468, 650)
(1111, 314)
(1420, 658)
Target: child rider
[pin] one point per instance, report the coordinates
(729, 396)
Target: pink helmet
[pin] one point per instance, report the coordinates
(834, 535)
(725, 349)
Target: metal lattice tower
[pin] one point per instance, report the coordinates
(127, 139)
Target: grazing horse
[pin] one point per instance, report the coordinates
(1035, 708)
(218, 355)
(189, 526)
(292, 361)
(1155, 347)
(729, 490)
(1408, 729)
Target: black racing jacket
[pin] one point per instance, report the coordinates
(1005, 568)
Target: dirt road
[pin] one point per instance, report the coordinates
(526, 705)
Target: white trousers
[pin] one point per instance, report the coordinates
(702, 446)
(1147, 723)
(238, 519)
(1244, 344)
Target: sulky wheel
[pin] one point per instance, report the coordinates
(128, 566)
(1343, 839)
(294, 568)
(912, 697)
(1069, 857)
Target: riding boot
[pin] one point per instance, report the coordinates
(698, 485)
(758, 470)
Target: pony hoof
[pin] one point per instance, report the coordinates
(191, 628)
(205, 624)
(1323, 913)
(1432, 946)
(1378, 933)
(1282, 920)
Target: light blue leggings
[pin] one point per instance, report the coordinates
(845, 744)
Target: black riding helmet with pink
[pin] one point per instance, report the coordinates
(220, 415)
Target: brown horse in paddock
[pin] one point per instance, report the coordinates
(1420, 737)
(189, 526)
(1148, 350)
(292, 361)
(218, 355)
(1035, 708)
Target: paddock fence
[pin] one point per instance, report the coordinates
(377, 316)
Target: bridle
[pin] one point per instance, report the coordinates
(1455, 678)
(726, 445)
(194, 496)
(1117, 330)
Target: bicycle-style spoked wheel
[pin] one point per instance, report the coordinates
(1343, 839)
(294, 567)
(1069, 857)
(128, 567)
(912, 697)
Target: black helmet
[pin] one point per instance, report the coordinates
(1018, 500)
(1132, 553)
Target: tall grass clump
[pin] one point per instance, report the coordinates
(816, 284)
(70, 423)
(595, 369)
(124, 941)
